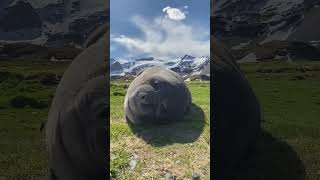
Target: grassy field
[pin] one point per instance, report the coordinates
(151, 152)
(26, 90)
(289, 94)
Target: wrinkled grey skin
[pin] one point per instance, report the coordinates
(76, 127)
(157, 95)
(236, 114)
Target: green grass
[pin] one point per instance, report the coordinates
(180, 149)
(22, 145)
(289, 94)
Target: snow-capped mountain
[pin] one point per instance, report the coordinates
(50, 22)
(247, 24)
(186, 65)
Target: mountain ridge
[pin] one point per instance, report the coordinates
(186, 65)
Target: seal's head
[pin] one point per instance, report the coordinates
(156, 95)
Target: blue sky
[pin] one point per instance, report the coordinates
(159, 28)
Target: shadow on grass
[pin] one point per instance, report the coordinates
(273, 159)
(186, 131)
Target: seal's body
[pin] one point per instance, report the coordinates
(76, 128)
(236, 111)
(156, 95)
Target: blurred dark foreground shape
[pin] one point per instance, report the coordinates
(241, 149)
(76, 131)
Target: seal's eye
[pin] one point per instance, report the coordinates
(155, 84)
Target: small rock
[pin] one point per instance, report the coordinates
(135, 156)
(133, 164)
(169, 177)
(178, 162)
(204, 171)
(195, 176)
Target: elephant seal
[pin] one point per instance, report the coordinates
(236, 113)
(156, 95)
(76, 129)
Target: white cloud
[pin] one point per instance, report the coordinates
(174, 13)
(165, 38)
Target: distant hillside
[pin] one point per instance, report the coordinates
(51, 22)
(250, 27)
(28, 51)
